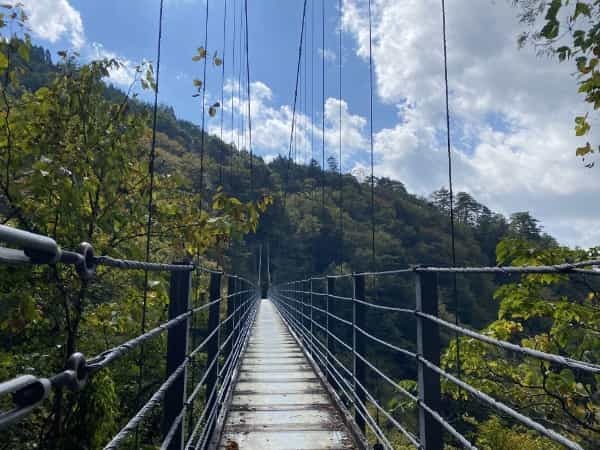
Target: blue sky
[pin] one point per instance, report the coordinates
(128, 30)
(512, 112)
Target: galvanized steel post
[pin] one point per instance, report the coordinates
(312, 340)
(236, 309)
(428, 347)
(358, 346)
(328, 346)
(177, 349)
(231, 322)
(213, 344)
(297, 309)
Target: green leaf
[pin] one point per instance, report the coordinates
(23, 51)
(216, 60)
(582, 8)
(563, 53)
(200, 55)
(3, 61)
(582, 126)
(582, 151)
(552, 27)
(212, 111)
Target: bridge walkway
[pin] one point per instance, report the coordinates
(279, 402)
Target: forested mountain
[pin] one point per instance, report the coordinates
(318, 223)
(302, 234)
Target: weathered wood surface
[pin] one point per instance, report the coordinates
(279, 402)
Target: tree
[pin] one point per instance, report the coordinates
(332, 164)
(570, 30)
(441, 199)
(553, 313)
(74, 166)
(467, 209)
(523, 226)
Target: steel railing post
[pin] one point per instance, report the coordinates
(300, 309)
(428, 347)
(328, 342)
(236, 309)
(304, 315)
(312, 340)
(177, 349)
(247, 300)
(358, 348)
(213, 345)
(296, 308)
(230, 322)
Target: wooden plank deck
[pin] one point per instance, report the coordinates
(279, 403)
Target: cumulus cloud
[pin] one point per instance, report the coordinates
(512, 111)
(56, 20)
(53, 20)
(124, 75)
(352, 133)
(327, 54)
(271, 124)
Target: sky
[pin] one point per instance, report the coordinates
(511, 110)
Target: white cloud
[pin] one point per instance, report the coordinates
(329, 55)
(124, 75)
(53, 20)
(271, 125)
(512, 112)
(353, 138)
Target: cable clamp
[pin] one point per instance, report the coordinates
(86, 266)
(27, 391)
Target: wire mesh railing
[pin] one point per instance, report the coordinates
(191, 406)
(332, 322)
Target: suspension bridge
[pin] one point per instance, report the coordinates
(279, 371)
(284, 366)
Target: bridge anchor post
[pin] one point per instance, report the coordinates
(359, 319)
(212, 379)
(230, 329)
(177, 349)
(428, 348)
(328, 343)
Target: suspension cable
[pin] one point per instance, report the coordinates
(297, 79)
(202, 137)
(290, 154)
(323, 112)
(223, 82)
(312, 82)
(150, 203)
(313, 186)
(249, 102)
(233, 93)
(371, 139)
(305, 92)
(239, 84)
(449, 152)
(341, 181)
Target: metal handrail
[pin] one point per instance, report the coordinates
(295, 301)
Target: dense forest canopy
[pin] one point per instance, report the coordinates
(73, 165)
